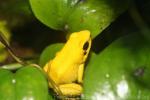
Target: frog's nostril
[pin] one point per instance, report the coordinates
(85, 52)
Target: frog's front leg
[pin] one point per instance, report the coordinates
(71, 89)
(80, 73)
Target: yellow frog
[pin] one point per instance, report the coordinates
(66, 69)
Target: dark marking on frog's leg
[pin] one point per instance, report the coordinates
(139, 72)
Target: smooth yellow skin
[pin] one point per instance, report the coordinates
(66, 69)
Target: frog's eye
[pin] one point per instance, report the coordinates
(86, 45)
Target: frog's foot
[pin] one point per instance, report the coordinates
(71, 89)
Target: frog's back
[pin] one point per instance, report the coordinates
(64, 67)
(63, 72)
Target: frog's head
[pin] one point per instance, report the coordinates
(81, 42)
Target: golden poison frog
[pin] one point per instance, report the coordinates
(67, 67)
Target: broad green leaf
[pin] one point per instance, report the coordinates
(76, 15)
(120, 72)
(49, 53)
(26, 83)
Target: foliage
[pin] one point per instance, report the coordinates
(27, 82)
(5, 31)
(121, 71)
(76, 15)
(118, 67)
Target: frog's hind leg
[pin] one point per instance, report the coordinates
(71, 89)
(47, 66)
(47, 69)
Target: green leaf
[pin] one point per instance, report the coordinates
(6, 85)
(27, 83)
(35, 83)
(120, 72)
(49, 53)
(12, 66)
(76, 15)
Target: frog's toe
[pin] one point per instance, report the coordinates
(71, 89)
